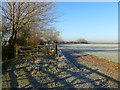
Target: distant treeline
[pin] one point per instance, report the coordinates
(83, 43)
(78, 41)
(73, 42)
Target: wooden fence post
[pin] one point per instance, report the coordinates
(16, 51)
(56, 48)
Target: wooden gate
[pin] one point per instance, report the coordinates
(36, 50)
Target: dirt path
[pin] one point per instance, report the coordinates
(95, 67)
(77, 70)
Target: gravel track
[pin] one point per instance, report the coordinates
(75, 70)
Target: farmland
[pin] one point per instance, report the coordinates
(106, 51)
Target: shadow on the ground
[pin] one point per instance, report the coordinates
(55, 78)
(73, 58)
(33, 82)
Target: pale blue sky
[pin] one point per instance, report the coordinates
(94, 21)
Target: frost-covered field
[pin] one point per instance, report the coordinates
(107, 51)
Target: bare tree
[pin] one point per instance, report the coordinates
(50, 34)
(20, 14)
(81, 40)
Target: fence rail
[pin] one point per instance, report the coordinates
(36, 50)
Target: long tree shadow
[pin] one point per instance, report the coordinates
(13, 78)
(10, 70)
(84, 78)
(72, 58)
(58, 79)
(33, 82)
(72, 74)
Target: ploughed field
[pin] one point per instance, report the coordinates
(106, 51)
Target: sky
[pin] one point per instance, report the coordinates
(93, 21)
